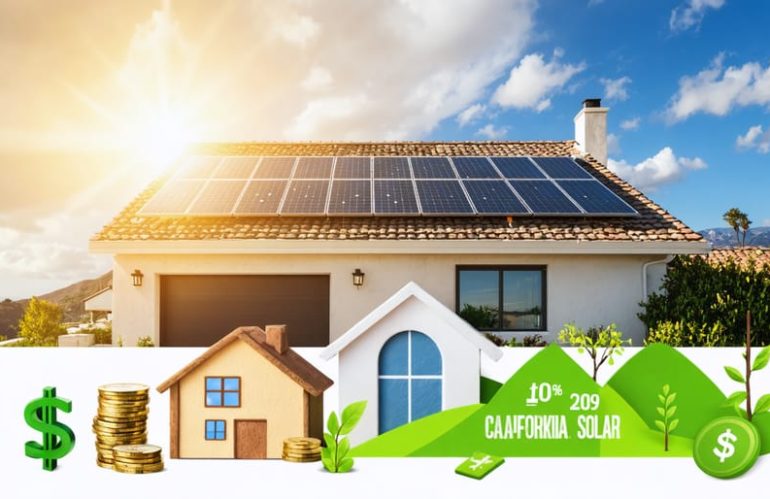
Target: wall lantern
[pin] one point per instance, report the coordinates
(358, 278)
(137, 277)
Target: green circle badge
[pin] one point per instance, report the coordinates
(726, 447)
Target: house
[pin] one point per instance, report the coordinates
(516, 237)
(243, 397)
(409, 358)
(746, 258)
(100, 302)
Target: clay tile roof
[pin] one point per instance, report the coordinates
(746, 258)
(290, 363)
(653, 224)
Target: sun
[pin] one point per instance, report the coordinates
(157, 139)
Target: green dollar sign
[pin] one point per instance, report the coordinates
(58, 438)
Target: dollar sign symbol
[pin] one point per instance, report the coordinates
(58, 439)
(725, 439)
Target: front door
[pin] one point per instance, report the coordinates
(251, 439)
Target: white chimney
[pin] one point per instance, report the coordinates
(591, 129)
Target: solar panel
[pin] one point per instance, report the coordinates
(543, 197)
(218, 197)
(199, 166)
(239, 167)
(275, 167)
(314, 167)
(443, 196)
(351, 196)
(306, 196)
(562, 168)
(474, 167)
(261, 197)
(595, 197)
(351, 167)
(493, 196)
(394, 197)
(391, 167)
(427, 167)
(517, 167)
(174, 197)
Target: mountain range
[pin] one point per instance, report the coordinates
(724, 237)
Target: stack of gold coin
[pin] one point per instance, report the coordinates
(302, 449)
(137, 459)
(121, 419)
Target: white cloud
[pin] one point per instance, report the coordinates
(533, 81)
(615, 89)
(690, 14)
(754, 138)
(470, 114)
(663, 168)
(630, 124)
(318, 78)
(717, 90)
(766, 222)
(491, 132)
(613, 144)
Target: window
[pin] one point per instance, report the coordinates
(215, 429)
(510, 298)
(223, 392)
(410, 378)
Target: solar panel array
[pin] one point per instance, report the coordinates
(388, 185)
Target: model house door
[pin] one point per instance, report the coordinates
(251, 439)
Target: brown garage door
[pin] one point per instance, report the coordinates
(199, 310)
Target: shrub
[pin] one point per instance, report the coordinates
(601, 343)
(495, 339)
(334, 455)
(41, 324)
(145, 341)
(532, 340)
(690, 334)
(102, 336)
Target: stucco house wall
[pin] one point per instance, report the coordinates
(586, 289)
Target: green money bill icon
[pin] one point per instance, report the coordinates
(727, 447)
(479, 465)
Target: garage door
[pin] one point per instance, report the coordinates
(199, 310)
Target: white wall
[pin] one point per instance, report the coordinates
(589, 290)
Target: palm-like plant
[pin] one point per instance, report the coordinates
(733, 218)
(745, 224)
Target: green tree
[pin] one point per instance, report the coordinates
(601, 343)
(745, 224)
(734, 217)
(666, 411)
(735, 399)
(41, 323)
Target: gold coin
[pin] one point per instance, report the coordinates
(302, 441)
(118, 432)
(301, 449)
(102, 464)
(124, 389)
(302, 456)
(139, 439)
(132, 406)
(118, 425)
(300, 460)
(143, 450)
(139, 462)
(127, 468)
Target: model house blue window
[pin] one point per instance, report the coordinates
(215, 429)
(410, 378)
(223, 392)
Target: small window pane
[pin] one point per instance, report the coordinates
(522, 300)
(394, 355)
(220, 426)
(232, 384)
(479, 298)
(426, 358)
(214, 399)
(393, 400)
(210, 435)
(426, 397)
(232, 399)
(210, 426)
(213, 383)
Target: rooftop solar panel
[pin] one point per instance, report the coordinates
(237, 167)
(432, 167)
(443, 196)
(561, 168)
(199, 166)
(517, 167)
(314, 167)
(394, 197)
(474, 167)
(595, 197)
(391, 167)
(306, 197)
(493, 196)
(543, 197)
(173, 198)
(218, 197)
(261, 197)
(350, 196)
(353, 167)
(275, 167)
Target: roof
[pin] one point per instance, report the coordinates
(101, 291)
(654, 223)
(290, 363)
(413, 290)
(746, 257)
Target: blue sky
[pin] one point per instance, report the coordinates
(102, 93)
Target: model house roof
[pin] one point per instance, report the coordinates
(653, 224)
(747, 258)
(290, 363)
(413, 290)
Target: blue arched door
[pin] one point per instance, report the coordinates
(410, 379)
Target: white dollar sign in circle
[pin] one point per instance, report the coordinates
(725, 439)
